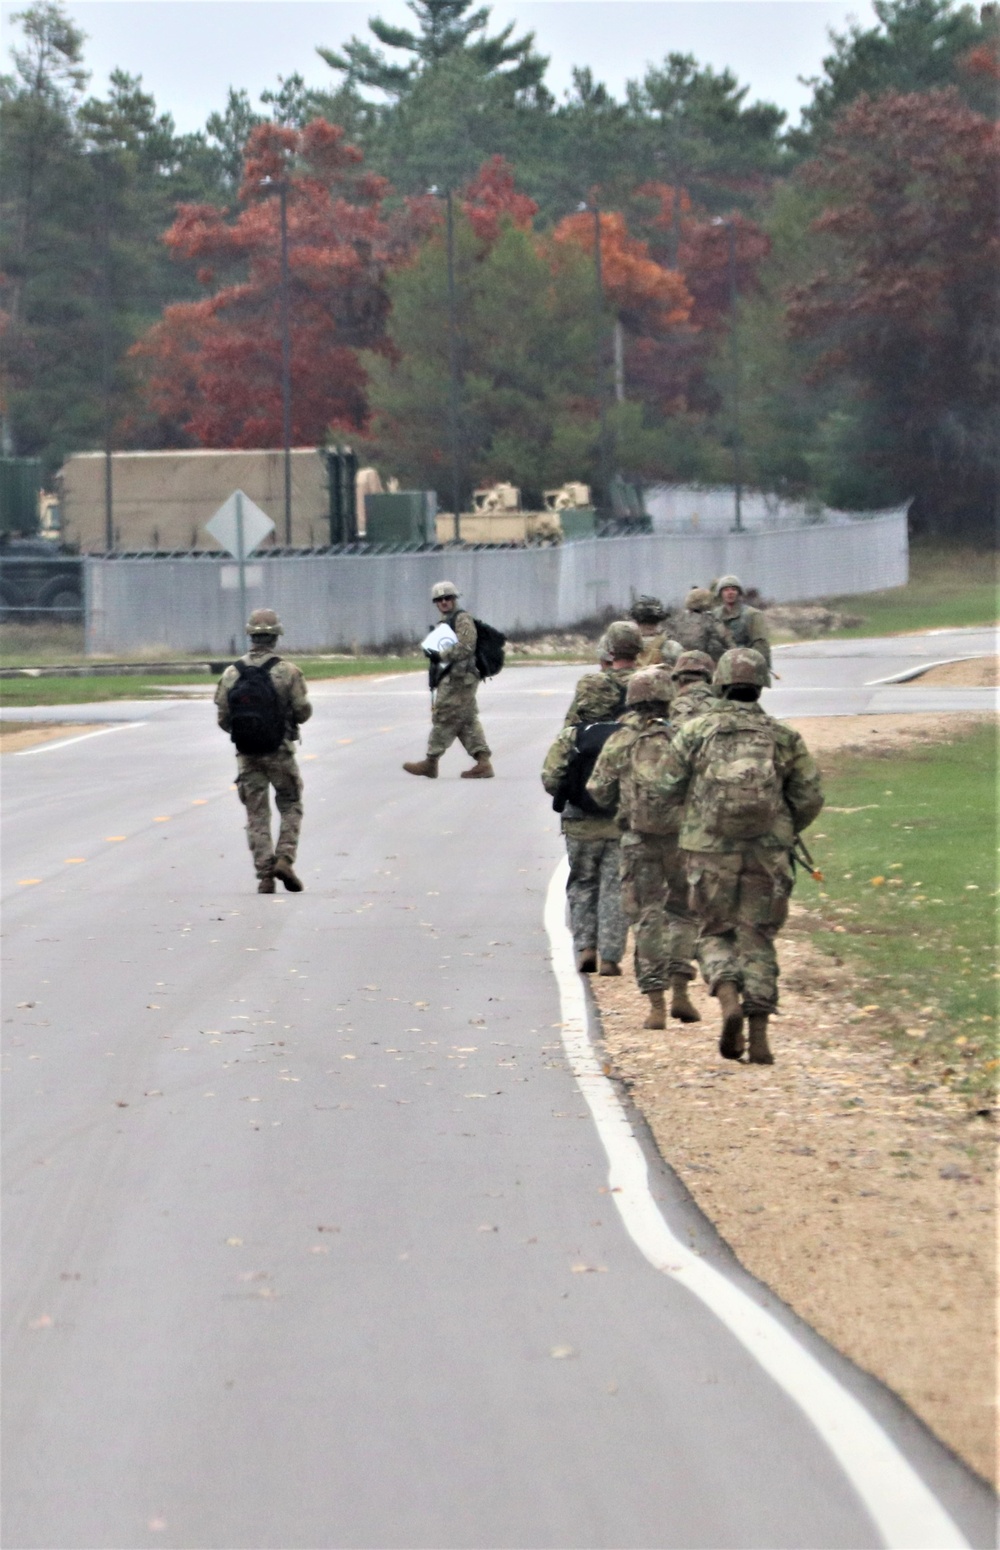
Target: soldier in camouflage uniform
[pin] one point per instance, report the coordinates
(618, 647)
(654, 883)
(592, 840)
(697, 628)
(747, 626)
(751, 786)
(693, 692)
(454, 712)
(257, 773)
(657, 647)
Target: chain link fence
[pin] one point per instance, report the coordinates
(344, 601)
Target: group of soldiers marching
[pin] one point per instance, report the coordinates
(681, 801)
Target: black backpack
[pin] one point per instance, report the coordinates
(590, 739)
(489, 649)
(256, 716)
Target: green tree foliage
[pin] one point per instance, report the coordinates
(88, 188)
(446, 28)
(917, 45)
(527, 407)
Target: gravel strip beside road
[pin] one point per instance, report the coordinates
(865, 1201)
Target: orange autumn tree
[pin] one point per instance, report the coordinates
(213, 367)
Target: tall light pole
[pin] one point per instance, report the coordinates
(453, 433)
(734, 345)
(599, 348)
(281, 184)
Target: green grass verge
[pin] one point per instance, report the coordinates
(907, 845)
(145, 686)
(947, 588)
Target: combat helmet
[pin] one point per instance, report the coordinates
(264, 621)
(624, 639)
(742, 665)
(647, 610)
(649, 684)
(597, 697)
(443, 589)
(694, 662)
(698, 600)
(728, 581)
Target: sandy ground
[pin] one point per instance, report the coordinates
(864, 1196)
(877, 734)
(14, 737)
(977, 673)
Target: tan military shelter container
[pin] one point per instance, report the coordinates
(162, 500)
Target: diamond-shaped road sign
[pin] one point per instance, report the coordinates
(239, 526)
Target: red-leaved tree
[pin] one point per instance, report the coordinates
(907, 315)
(213, 367)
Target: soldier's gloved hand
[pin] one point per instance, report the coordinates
(432, 656)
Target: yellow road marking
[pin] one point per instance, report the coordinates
(75, 860)
(26, 882)
(162, 820)
(111, 837)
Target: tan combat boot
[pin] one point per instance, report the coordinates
(657, 1010)
(681, 1005)
(284, 873)
(607, 968)
(481, 770)
(586, 961)
(731, 1044)
(760, 1050)
(428, 767)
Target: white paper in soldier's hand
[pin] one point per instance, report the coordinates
(441, 637)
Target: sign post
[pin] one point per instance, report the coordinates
(240, 526)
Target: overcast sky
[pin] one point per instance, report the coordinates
(189, 52)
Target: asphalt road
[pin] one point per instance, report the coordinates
(307, 1231)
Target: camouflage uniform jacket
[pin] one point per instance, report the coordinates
(579, 711)
(575, 822)
(701, 631)
(796, 768)
(287, 679)
(610, 784)
(747, 626)
(462, 657)
(692, 700)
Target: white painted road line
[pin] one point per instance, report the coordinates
(908, 1515)
(925, 667)
(71, 742)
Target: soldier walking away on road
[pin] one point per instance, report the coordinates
(693, 692)
(697, 628)
(654, 881)
(261, 702)
(657, 647)
(751, 786)
(591, 833)
(454, 681)
(747, 626)
(619, 647)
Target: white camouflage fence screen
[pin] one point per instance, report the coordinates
(342, 601)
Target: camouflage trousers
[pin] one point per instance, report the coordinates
(655, 899)
(455, 714)
(741, 901)
(256, 774)
(594, 892)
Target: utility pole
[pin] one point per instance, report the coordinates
(106, 362)
(286, 362)
(599, 343)
(734, 346)
(453, 385)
